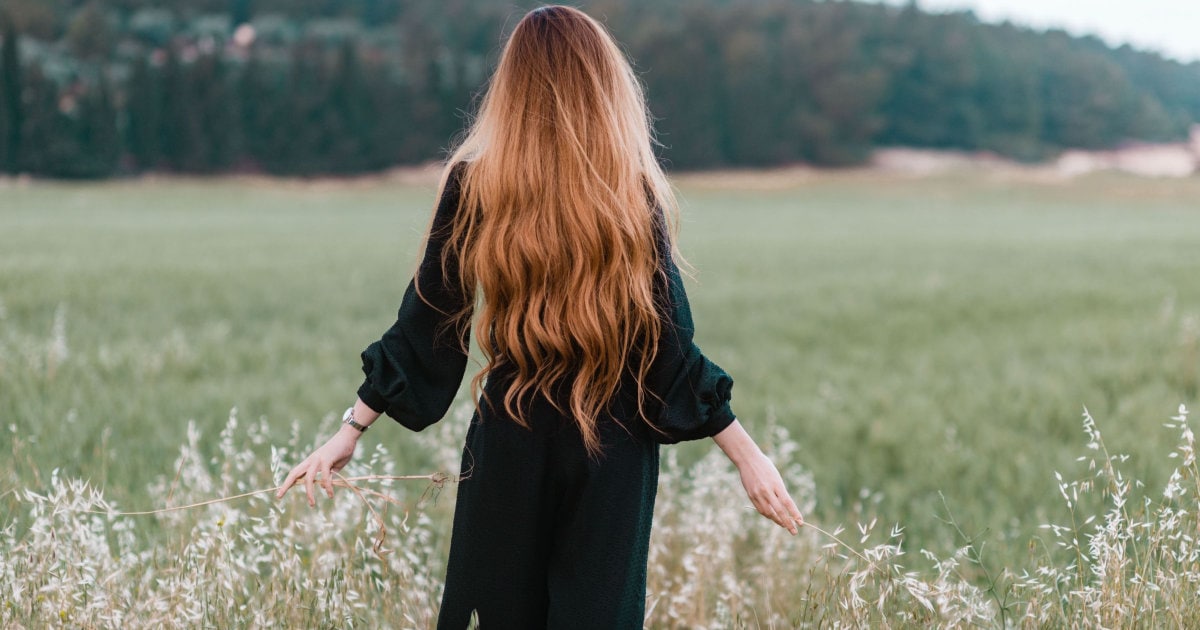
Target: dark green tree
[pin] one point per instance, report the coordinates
(294, 142)
(344, 86)
(1007, 94)
(683, 67)
(214, 111)
(143, 115)
(348, 116)
(11, 106)
(932, 101)
(51, 134)
(1083, 98)
(181, 128)
(89, 33)
(839, 90)
(99, 130)
(240, 11)
(257, 101)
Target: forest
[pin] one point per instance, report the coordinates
(305, 87)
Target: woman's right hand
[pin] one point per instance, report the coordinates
(764, 485)
(331, 457)
(762, 481)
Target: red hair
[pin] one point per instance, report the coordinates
(556, 227)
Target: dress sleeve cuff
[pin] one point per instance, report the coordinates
(719, 422)
(371, 398)
(715, 407)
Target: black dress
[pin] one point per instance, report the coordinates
(543, 537)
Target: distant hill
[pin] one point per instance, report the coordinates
(321, 86)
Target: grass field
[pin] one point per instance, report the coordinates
(930, 344)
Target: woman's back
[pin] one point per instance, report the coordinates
(556, 229)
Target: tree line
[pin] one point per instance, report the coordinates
(299, 87)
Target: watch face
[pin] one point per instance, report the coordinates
(348, 418)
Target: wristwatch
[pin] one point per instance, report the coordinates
(348, 418)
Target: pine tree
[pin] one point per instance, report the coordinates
(143, 109)
(349, 113)
(181, 128)
(49, 135)
(89, 34)
(254, 102)
(215, 111)
(240, 11)
(99, 139)
(11, 110)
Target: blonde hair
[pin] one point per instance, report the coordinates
(556, 225)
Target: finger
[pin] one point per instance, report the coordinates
(794, 511)
(773, 509)
(788, 508)
(327, 478)
(767, 509)
(777, 516)
(287, 483)
(785, 517)
(308, 484)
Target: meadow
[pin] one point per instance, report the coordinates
(929, 359)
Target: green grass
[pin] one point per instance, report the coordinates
(917, 336)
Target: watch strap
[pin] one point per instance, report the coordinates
(348, 418)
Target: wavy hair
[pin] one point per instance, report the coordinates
(555, 233)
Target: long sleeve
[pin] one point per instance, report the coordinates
(414, 370)
(695, 391)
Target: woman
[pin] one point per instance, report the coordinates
(551, 240)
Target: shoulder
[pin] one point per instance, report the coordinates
(456, 172)
(449, 192)
(450, 187)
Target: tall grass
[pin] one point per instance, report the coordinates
(926, 345)
(1128, 557)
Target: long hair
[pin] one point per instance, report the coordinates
(556, 225)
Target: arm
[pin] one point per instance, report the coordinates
(412, 372)
(695, 391)
(696, 403)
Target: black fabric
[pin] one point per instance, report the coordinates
(544, 536)
(414, 370)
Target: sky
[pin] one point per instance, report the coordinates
(1170, 27)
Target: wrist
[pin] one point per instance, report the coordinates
(350, 420)
(747, 456)
(737, 444)
(348, 431)
(363, 414)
